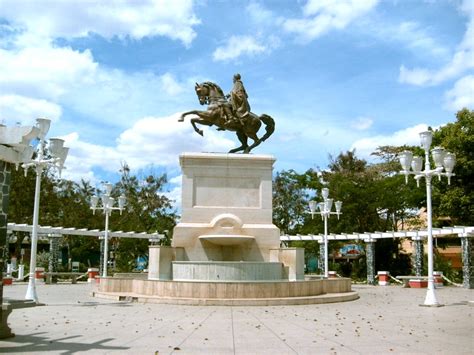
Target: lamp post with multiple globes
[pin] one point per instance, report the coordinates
(444, 165)
(58, 156)
(325, 211)
(107, 206)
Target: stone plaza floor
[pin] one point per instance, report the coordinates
(384, 320)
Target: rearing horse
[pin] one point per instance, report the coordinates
(212, 95)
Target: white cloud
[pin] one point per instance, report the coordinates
(150, 141)
(175, 193)
(261, 42)
(467, 6)
(461, 61)
(409, 34)
(362, 123)
(45, 72)
(163, 139)
(15, 108)
(461, 95)
(170, 85)
(121, 98)
(322, 16)
(126, 18)
(238, 46)
(408, 136)
(83, 157)
(416, 38)
(416, 76)
(259, 14)
(62, 76)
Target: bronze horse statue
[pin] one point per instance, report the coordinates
(247, 127)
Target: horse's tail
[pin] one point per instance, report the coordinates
(269, 126)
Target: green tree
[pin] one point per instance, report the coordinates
(457, 200)
(351, 181)
(66, 203)
(374, 198)
(148, 209)
(290, 201)
(398, 201)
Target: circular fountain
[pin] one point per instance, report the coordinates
(226, 250)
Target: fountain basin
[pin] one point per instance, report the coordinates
(227, 271)
(243, 293)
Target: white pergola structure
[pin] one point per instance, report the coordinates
(52, 233)
(47, 230)
(465, 233)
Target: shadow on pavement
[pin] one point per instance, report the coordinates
(38, 343)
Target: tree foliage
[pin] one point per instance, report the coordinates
(67, 203)
(375, 196)
(289, 201)
(147, 210)
(457, 200)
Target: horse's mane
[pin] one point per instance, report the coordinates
(215, 86)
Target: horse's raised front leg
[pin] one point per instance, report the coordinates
(193, 112)
(200, 121)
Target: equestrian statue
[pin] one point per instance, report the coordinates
(230, 115)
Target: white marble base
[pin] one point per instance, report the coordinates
(226, 218)
(227, 271)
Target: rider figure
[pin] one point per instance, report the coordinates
(238, 99)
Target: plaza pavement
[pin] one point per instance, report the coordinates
(384, 320)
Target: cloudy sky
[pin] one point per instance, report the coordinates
(114, 76)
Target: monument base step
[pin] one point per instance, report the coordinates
(319, 299)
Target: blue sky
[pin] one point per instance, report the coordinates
(335, 75)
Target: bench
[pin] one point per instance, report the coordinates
(406, 279)
(70, 275)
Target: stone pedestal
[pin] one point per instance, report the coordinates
(226, 219)
(160, 261)
(227, 195)
(293, 261)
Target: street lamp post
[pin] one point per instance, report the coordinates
(58, 156)
(107, 207)
(443, 161)
(325, 211)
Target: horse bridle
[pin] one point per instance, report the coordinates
(205, 99)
